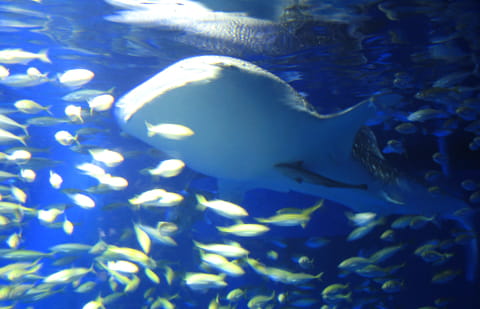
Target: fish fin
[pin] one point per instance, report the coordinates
(150, 131)
(43, 56)
(261, 220)
(25, 129)
(391, 199)
(201, 200)
(47, 109)
(22, 139)
(317, 205)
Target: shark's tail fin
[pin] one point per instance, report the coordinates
(471, 266)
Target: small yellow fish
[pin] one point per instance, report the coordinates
(4, 72)
(28, 175)
(169, 130)
(49, 215)
(260, 301)
(7, 137)
(74, 113)
(75, 77)
(232, 249)
(6, 123)
(142, 238)
(292, 219)
(220, 263)
(13, 56)
(244, 230)
(94, 304)
(31, 107)
(223, 208)
(67, 226)
(167, 168)
(82, 200)
(13, 241)
(67, 275)
(108, 157)
(65, 138)
(55, 180)
(100, 103)
(147, 196)
(123, 266)
(152, 276)
(19, 157)
(235, 295)
(204, 281)
(132, 285)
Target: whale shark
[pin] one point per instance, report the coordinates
(235, 33)
(253, 130)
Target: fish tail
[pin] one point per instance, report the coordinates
(24, 128)
(22, 139)
(43, 56)
(145, 172)
(47, 109)
(201, 201)
(75, 139)
(348, 297)
(150, 131)
(310, 210)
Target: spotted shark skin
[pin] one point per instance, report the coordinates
(226, 33)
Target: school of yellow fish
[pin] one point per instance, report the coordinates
(129, 260)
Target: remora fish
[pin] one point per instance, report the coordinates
(298, 173)
(265, 123)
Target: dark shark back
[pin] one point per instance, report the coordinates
(365, 150)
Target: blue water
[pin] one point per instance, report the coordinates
(355, 56)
